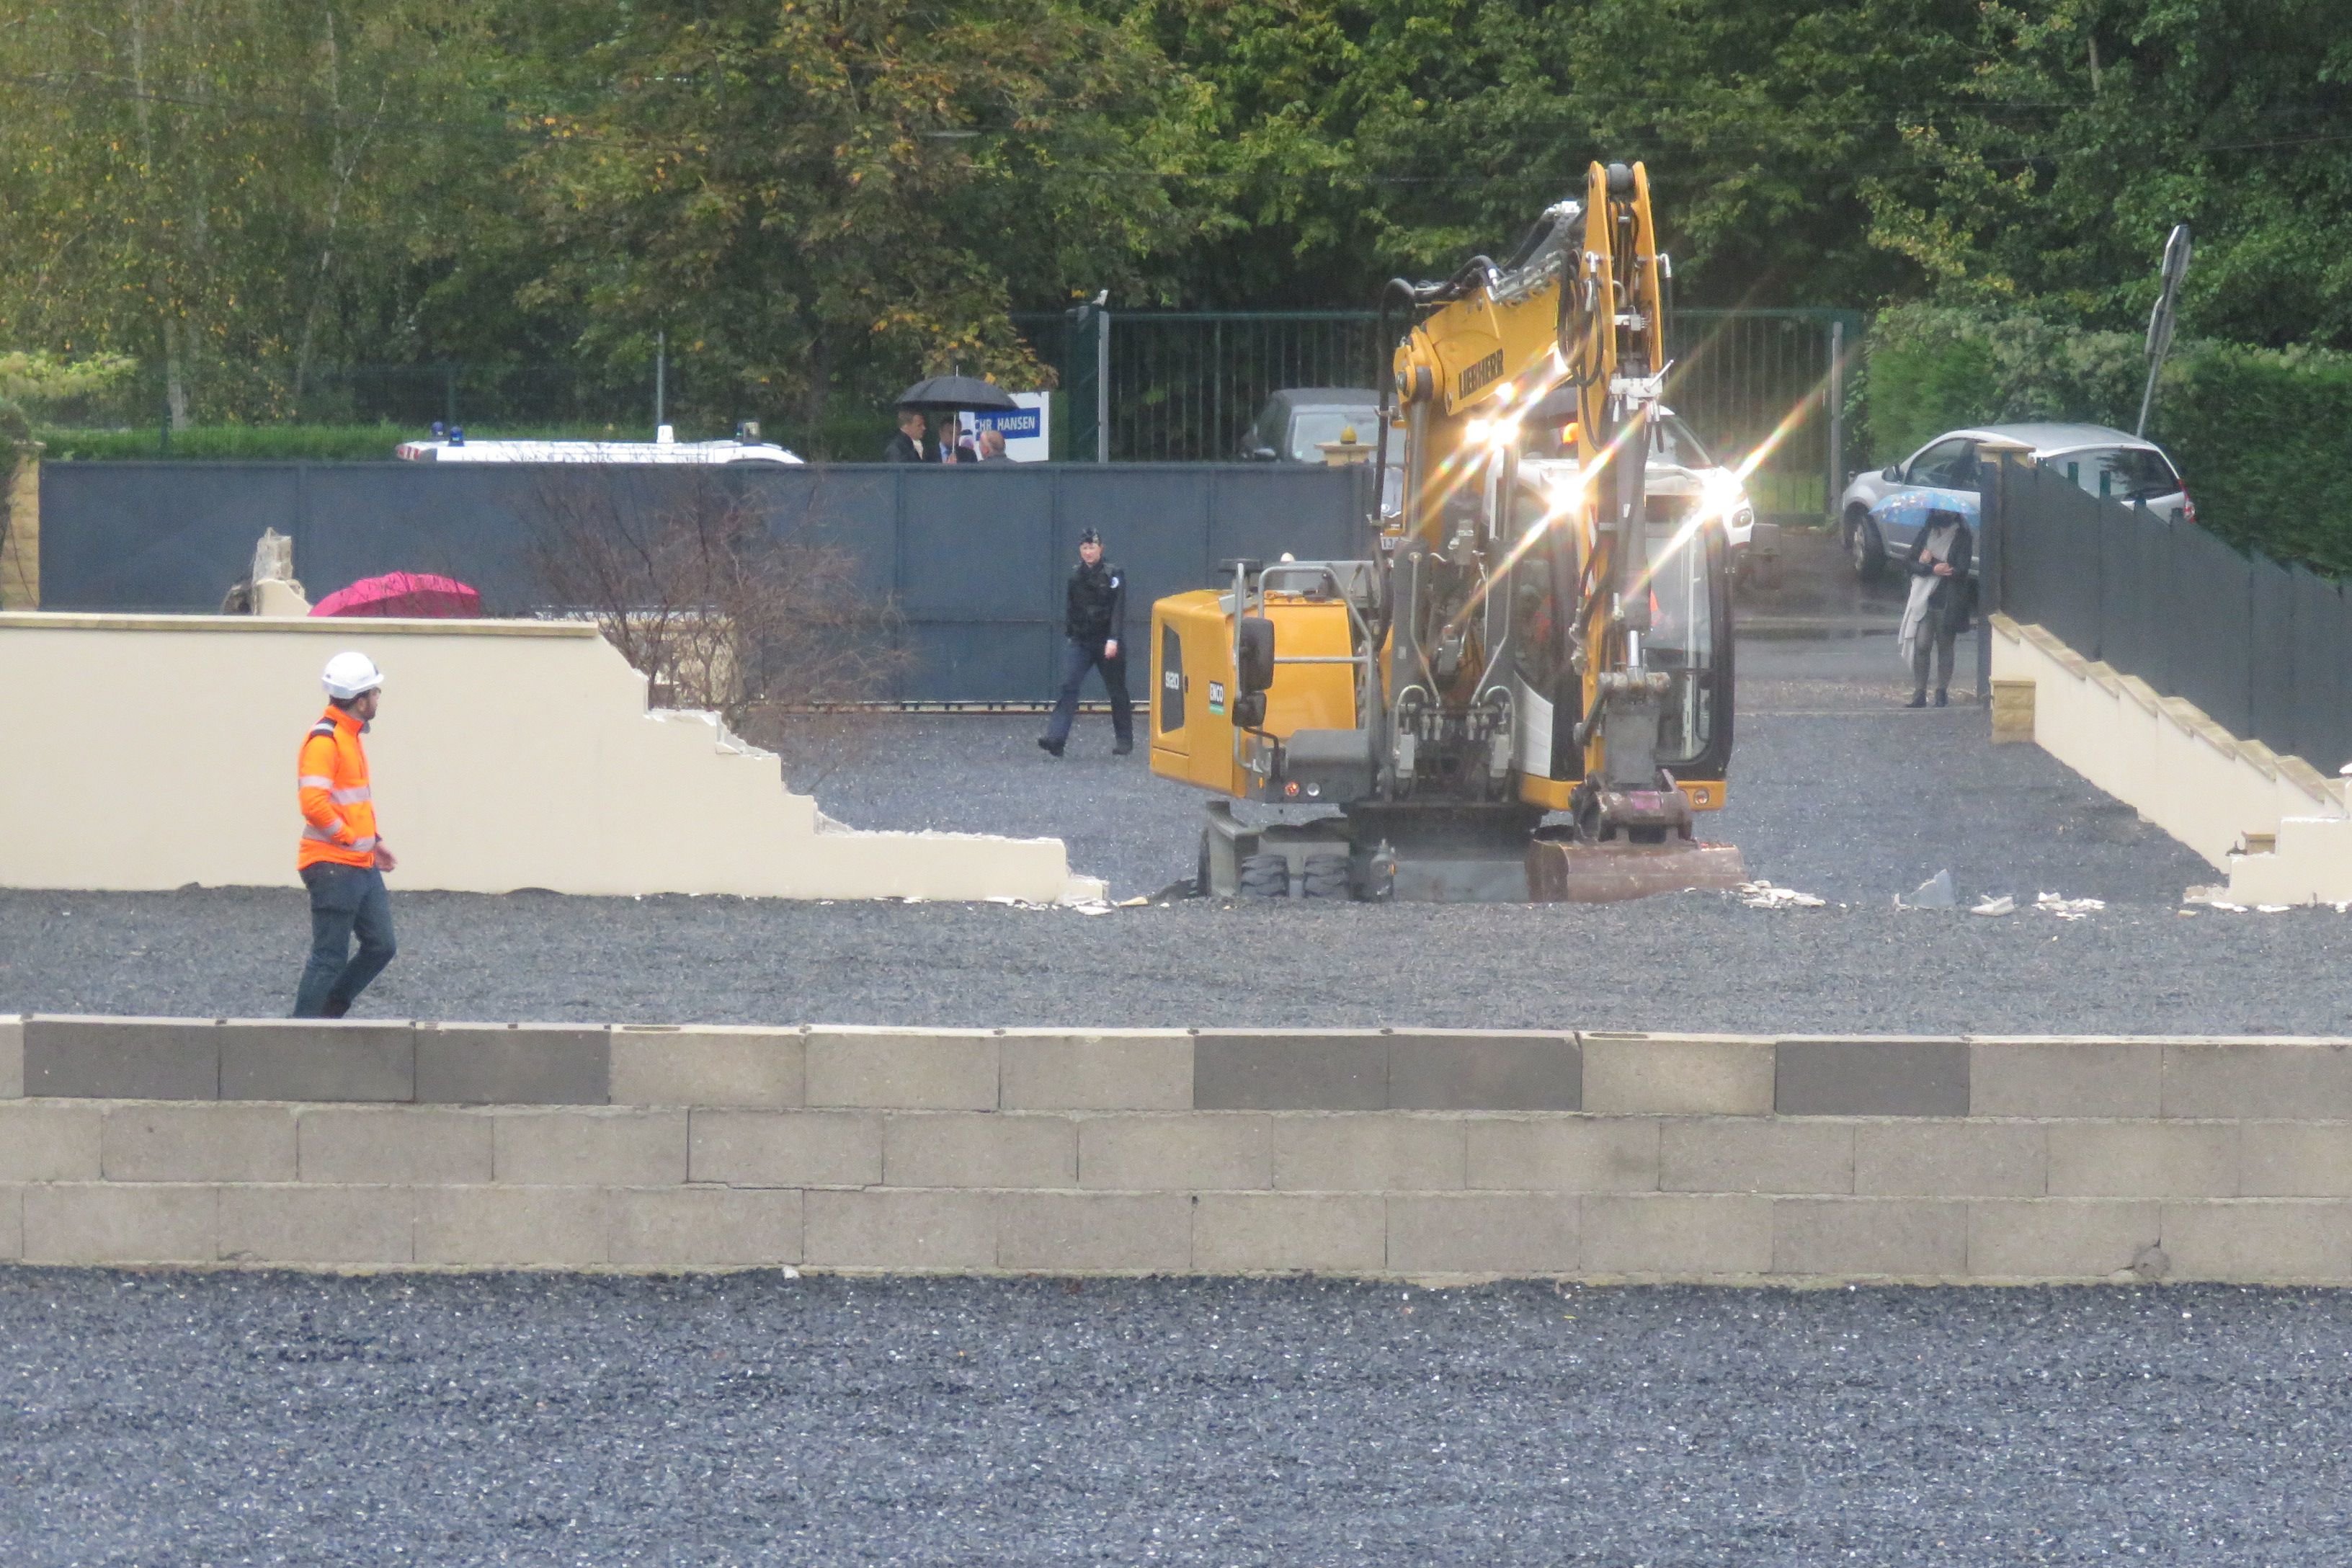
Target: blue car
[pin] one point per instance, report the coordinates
(1883, 511)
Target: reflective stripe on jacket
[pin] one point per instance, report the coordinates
(338, 809)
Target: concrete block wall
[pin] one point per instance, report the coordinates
(1592, 1156)
(2277, 826)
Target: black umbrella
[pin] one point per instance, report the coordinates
(953, 394)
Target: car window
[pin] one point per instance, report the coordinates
(1310, 428)
(2126, 473)
(1948, 465)
(1676, 445)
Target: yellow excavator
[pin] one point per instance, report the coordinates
(1525, 693)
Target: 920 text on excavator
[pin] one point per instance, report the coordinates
(1524, 693)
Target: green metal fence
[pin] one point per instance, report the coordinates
(1183, 385)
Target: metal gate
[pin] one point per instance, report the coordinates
(1183, 385)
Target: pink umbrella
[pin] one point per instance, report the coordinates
(410, 594)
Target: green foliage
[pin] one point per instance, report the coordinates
(2259, 435)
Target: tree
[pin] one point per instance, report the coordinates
(826, 196)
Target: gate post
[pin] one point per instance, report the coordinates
(1996, 461)
(1836, 478)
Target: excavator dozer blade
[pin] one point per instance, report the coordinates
(1561, 871)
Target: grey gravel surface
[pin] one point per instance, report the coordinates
(229, 1418)
(1836, 791)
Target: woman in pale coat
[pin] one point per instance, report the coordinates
(1939, 606)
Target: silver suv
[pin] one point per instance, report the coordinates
(1883, 510)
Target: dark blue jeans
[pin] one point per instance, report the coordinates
(345, 900)
(1077, 657)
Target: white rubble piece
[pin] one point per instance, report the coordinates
(1765, 896)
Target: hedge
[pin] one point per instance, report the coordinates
(2263, 437)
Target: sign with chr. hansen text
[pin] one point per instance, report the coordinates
(1027, 430)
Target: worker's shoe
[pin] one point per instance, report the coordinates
(1051, 748)
(1943, 700)
(1122, 749)
(1918, 699)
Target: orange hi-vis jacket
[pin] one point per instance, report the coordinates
(338, 809)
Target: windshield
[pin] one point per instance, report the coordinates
(1682, 634)
(2126, 473)
(1310, 428)
(1674, 444)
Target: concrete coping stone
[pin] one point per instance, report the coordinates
(57, 620)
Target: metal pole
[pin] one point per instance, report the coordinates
(661, 378)
(1837, 420)
(1102, 384)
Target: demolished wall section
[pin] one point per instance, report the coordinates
(154, 751)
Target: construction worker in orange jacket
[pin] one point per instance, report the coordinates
(343, 858)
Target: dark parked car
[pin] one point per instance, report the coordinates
(1295, 421)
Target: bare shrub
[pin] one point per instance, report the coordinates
(768, 627)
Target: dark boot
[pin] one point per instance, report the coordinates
(1943, 700)
(1918, 699)
(1053, 748)
(1122, 748)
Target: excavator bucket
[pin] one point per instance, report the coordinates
(1564, 871)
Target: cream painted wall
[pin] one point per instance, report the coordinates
(152, 751)
(2184, 773)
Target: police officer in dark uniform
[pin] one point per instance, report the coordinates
(1096, 623)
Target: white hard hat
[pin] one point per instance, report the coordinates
(348, 674)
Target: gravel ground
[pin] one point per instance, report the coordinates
(223, 1418)
(1836, 791)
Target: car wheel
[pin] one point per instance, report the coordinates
(1863, 546)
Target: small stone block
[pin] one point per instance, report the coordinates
(1563, 1155)
(1288, 1233)
(42, 1142)
(312, 1225)
(1236, 1069)
(2012, 712)
(1678, 1237)
(706, 1227)
(208, 1143)
(590, 1148)
(1176, 1153)
(1677, 1075)
(317, 1060)
(1136, 1069)
(1095, 1233)
(750, 1068)
(1470, 1070)
(123, 1058)
(427, 1145)
(12, 1057)
(522, 1227)
(1845, 1239)
(903, 1069)
(916, 1231)
(2065, 1078)
(2143, 1159)
(1368, 1153)
(1950, 1159)
(2058, 1238)
(985, 1149)
(2305, 1080)
(1754, 1154)
(105, 1223)
(11, 1223)
(512, 1064)
(785, 1148)
(1519, 1234)
(2272, 1241)
(1872, 1078)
